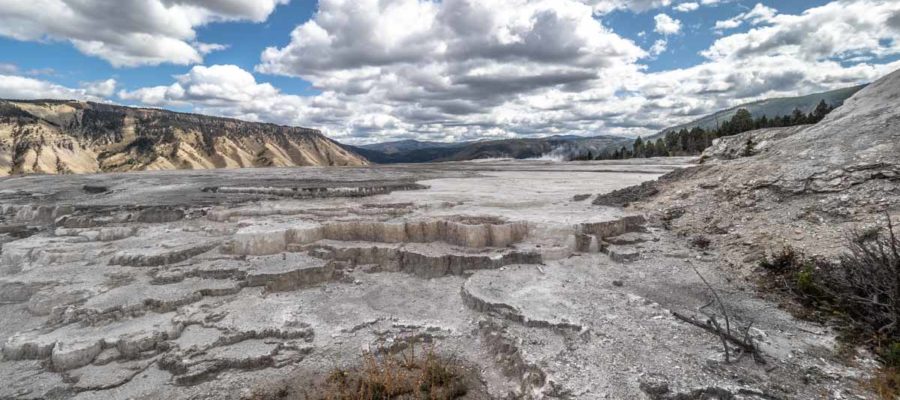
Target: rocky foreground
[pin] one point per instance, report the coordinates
(64, 137)
(219, 284)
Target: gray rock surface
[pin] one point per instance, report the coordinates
(806, 187)
(160, 287)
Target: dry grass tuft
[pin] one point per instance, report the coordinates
(886, 383)
(383, 376)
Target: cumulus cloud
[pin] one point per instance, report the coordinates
(128, 32)
(606, 6)
(454, 61)
(757, 15)
(454, 70)
(104, 88)
(659, 47)
(687, 7)
(666, 25)
(25, 88)
(838, 30)
(229, 90)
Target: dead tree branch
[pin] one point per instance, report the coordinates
(745, 345)
(712, 325)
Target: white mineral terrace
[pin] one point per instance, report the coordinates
(197, 284)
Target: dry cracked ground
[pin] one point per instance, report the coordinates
(207, 284)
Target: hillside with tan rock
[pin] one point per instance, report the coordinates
(84, 137)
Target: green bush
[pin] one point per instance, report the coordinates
(806, 282)
(890, 355)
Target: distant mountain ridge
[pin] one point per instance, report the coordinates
(563, 147)
(59, 136)
(774, 107)
(407, 145)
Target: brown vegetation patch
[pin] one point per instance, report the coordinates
(382, 376)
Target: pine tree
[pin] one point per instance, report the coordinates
(742, 121)
(821, 111)
(661, 148)
(638, 147)
(798, 117)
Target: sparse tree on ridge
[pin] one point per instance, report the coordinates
(820, 112)
(798, 117)
(684, 142)
(638, 147)
(742, 121)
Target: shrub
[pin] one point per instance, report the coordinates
(866, 281)
(700, 242)
(863, 288)
(864, 284)
(786, 260)
(890, 355)
(805, 281)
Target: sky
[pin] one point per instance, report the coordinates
(367, 71)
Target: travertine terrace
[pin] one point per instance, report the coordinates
(207, 284)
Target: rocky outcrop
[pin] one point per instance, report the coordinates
(803, 187)
(472, 233)
(53, 137)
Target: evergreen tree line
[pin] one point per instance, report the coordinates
(693, 142)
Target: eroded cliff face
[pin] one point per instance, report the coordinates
(82, 137)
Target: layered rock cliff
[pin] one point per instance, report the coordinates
(83, 137)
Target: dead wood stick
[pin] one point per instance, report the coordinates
(723, 338)
(748, 347)
(718, 299)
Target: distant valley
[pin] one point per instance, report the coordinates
(568, 147)
(557, 147)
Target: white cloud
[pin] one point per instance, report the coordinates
(758, 15)
(225, 90)
(24, 88)
(666, 25)
(606, 6)
(841, 29)
(453, 62)
(7, 68)
(687, 7)
(128, 32)
(659, 47)
(728, 24)
(104, 88)
(508, 68)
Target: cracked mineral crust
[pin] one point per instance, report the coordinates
(199, 284)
